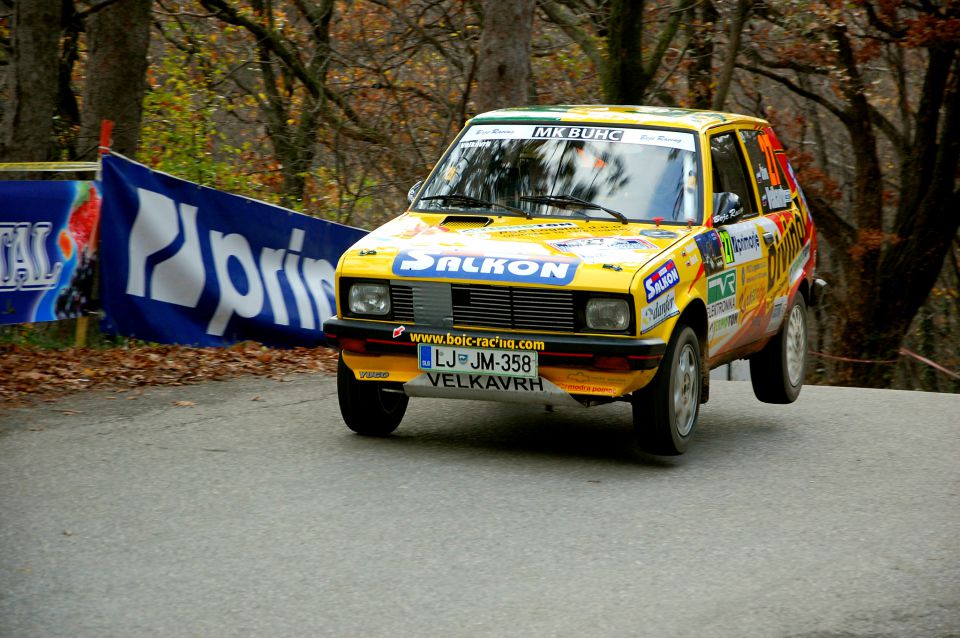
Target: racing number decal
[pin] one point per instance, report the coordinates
(767, 147)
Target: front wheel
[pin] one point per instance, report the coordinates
(665, 412)
(366, 406)
(777, 371)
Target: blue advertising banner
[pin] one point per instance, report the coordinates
(48, 245)
(183, 263)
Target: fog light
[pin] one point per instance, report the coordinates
(608, 314)
(370, 299)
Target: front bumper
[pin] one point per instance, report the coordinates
(641, 354)
(582, 366)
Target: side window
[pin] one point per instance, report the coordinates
(774, 189)
(728, 170)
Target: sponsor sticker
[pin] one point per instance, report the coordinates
(723, 316)
(777, 197)
(785, 250)
(663, 279)
(751, 296)
(555, 271)
(776, 317)
(476, 341)
(599, 133)
(753, 272)
(723, 325)
(796, 268)
(722, 286)
(659, 311)
(646, 137)
(497, 132)
(741, 243)
(711, 251)
(596, 250)
(521, 228)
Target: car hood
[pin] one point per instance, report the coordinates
(579, 254)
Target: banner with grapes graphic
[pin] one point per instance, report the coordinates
(48, 249)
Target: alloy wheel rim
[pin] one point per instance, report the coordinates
(796, 346)
(686, 386)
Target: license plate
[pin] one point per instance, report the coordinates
(506, 363)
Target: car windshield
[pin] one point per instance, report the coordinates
(569, 171)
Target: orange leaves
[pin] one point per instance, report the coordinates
(871, 238)
(929, 31)
(29, 373)
(815, 180)
(870, 241)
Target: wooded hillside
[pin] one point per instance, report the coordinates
(336, 107)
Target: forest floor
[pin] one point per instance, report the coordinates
(30, 374)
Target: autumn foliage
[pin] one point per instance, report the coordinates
(29, 374)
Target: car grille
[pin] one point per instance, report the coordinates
(401, 299)
(448, 305)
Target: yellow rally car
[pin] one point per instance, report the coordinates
(576, 255)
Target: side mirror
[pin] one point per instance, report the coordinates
(727, 208)
(413, 191)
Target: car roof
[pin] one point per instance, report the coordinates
(610, 114)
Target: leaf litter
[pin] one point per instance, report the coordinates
(29, 374)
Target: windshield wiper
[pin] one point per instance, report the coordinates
(568, 200)
(468, 200)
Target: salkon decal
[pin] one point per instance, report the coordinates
(557, 271)
(662, 280)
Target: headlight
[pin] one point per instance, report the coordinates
(608, 314)
(370, 299)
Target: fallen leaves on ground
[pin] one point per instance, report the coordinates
(29, 374)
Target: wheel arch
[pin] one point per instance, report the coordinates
(695, 316)
(804, 289)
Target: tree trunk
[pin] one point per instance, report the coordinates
(28, 122)
(701, 22)
(504, 58)
(625, 81)
(737, 22)
(118, 38)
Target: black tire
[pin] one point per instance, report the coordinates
(366, 407)
(665, 412)
(777, 371)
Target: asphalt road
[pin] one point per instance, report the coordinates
(836, 516)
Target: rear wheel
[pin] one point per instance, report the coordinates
(665, 412)
(366, 406)
(777, 371)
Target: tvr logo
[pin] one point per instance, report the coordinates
(166, 263)
(722, 286)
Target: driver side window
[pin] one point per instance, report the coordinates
(728, 171)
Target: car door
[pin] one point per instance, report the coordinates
(734, 295)
(783, 225)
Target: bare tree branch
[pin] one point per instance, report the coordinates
(568, 25)
(840, 114)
